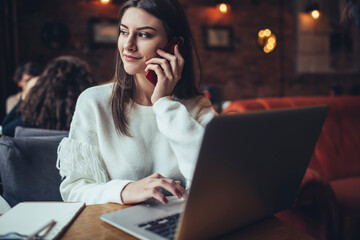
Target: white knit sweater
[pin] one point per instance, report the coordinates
(97, 162)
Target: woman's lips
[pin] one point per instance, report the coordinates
(130, 58)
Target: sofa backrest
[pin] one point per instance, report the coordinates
(337, 153)
(28, 168)
(37, 132)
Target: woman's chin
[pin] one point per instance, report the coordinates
(132, 71)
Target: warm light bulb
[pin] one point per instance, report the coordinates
(267, 40)
(270, 46)
(267, 32)
(223, 7)
(261, 33)
(315, 14)
(104, 1)
(271, 40)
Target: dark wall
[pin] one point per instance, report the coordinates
(41, 22)
(8, 50)
(246, 71)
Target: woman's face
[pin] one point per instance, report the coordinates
(24, 80)
(141, 34)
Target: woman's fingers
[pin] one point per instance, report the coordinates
(171, 65)
(176, 61)
(157, 69)
(149, 187)
(170, 186)
(159, 196)
(167, 184)
(178, 54)
(179, 61)
(164, 67)
(168, 68)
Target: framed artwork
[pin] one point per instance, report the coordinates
(103, 32)
(218, 37)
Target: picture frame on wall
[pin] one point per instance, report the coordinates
(103, 32)
(218, 37)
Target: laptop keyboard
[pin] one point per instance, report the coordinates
(164, 227)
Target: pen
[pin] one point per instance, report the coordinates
(47, 226)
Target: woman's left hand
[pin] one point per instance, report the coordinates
(168, 69)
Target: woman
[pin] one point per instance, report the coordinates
(50, 102)
(21, 77)
(131, 141)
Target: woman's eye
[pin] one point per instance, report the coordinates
(144, 35)
(123, 32)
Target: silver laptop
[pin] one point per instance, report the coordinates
(250, 166)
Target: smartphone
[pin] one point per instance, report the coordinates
(150, 74)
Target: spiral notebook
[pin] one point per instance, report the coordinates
(28, 217)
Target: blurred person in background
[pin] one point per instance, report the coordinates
(50, 102)
(22, 75)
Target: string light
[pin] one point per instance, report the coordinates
(267, 32)
(261, 34)
(223, 6)
(266, 40)
(315, 14)
(313, 9)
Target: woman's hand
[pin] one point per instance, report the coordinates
(28, 87)
(148, 187)
(168, 69)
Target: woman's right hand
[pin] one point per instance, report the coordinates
(147, 188)
(28, 87)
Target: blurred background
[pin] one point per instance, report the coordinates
(247, 48)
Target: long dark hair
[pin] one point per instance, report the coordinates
(175, 22)
(30, 68)
(50, 104)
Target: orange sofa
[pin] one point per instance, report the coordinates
(328, 202)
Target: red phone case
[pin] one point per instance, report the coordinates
(170, 48)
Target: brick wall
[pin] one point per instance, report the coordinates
(73, 14)
(244, 72)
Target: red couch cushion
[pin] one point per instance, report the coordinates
(337, 153)
(347, 192)
(349, 142)
(243, 106)
(274, 103)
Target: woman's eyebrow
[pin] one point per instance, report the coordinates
(139, 28)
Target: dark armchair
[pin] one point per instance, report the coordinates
(28, 166)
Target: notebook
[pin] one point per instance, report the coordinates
(26, 218)
(250, 166)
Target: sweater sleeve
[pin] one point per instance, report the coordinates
(183, 123)
(85, 177)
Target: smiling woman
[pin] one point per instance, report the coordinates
(141, 35)
(142, 139)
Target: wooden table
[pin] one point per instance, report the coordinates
(88, 225)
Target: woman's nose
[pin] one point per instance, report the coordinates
(130, 43)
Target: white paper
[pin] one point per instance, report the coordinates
(28, 217)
